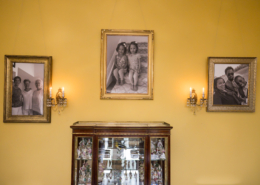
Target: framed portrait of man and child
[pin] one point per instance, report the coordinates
(232, 84)
(27, 80)
(127, 64)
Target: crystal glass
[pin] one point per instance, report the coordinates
(188, 102)
(121, 161)
(159, 160)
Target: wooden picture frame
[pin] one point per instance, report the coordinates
(127, 74)
(26, 83)
(232, 84)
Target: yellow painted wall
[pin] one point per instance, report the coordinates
(206, 149)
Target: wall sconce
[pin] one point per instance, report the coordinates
(61, 101)
(192, 101)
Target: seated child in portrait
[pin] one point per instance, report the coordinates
(120, 63)
(134, 65)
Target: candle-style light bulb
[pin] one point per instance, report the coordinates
(50, 91)
(62, 92)
(203, 93)
(190, 92)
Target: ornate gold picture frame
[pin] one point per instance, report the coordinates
(127, 64)
(27, 80)
(232, 84)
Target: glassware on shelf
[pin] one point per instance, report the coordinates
(121, 161)
(141, 171)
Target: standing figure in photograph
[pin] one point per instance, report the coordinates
(134, 65)
(243, 91)
(221, 95)
(37, 98)
(27, 98)
(120, 63)
(17, 97)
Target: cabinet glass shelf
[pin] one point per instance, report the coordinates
(121, 160)
(123, 148)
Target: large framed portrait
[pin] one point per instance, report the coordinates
(27, 80)
(232, 84)
(127, 64)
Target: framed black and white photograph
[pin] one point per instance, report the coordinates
(232, 83)
(127, 64)
(27, 80)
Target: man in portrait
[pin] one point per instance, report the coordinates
(230, 83)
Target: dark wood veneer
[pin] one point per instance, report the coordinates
(120, 129)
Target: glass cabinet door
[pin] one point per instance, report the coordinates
(159, 160)
(121, 161)
(83, 160)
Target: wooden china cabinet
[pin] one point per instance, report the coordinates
(120, 153)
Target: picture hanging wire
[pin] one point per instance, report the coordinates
(238, 22)
(214, 48)
(112, 15)
(142, 14)
(42, 27)
(19, 23)
(240, 27)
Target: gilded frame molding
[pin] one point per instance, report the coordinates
(252, 62)
(8, 70)
(103, 65)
